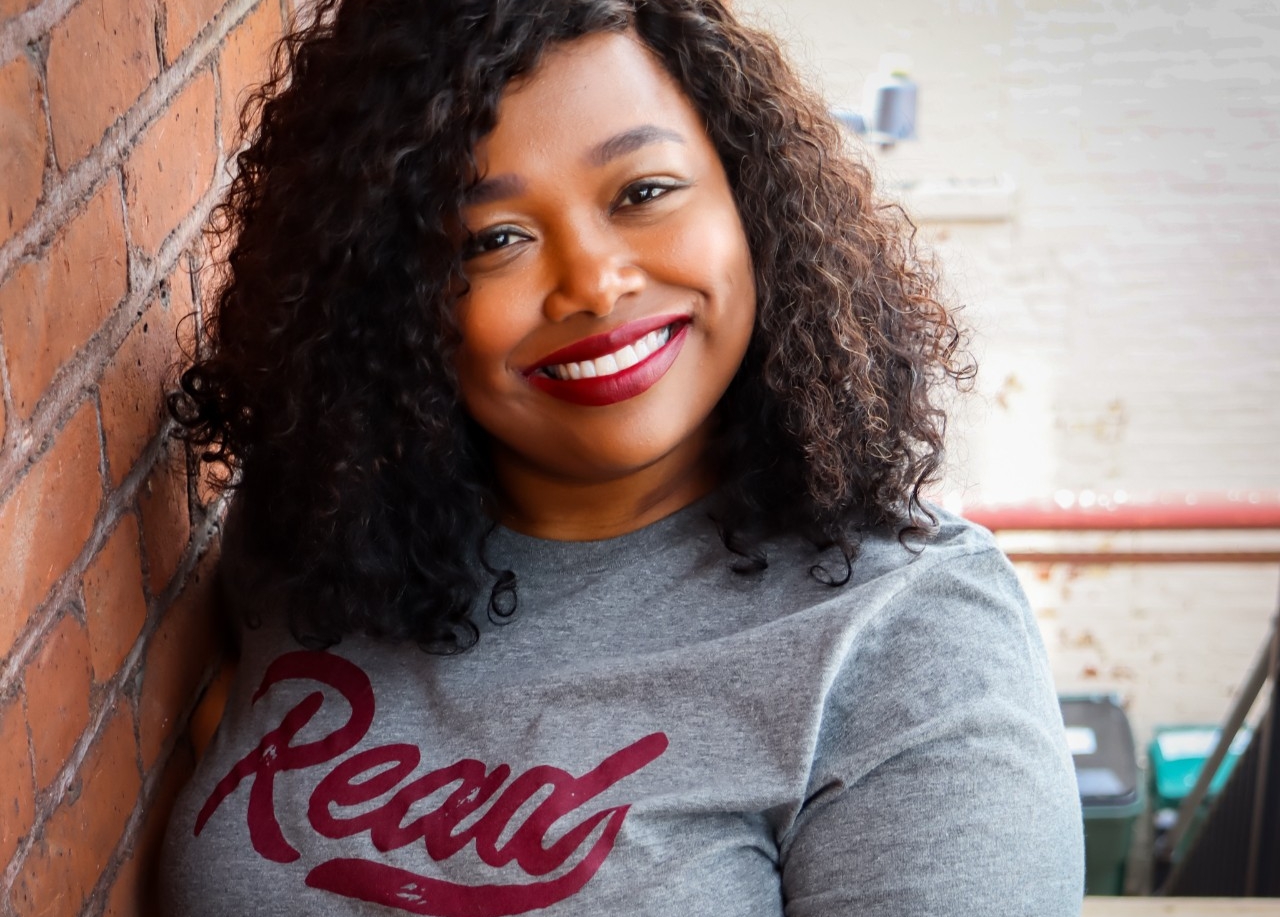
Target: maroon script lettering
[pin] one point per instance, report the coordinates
(372, 773)
(274, 754)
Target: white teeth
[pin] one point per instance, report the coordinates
(607, 365)
(615, 362)
(626, 357)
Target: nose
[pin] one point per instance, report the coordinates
(593, 270)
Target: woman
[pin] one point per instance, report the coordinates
(579, 397)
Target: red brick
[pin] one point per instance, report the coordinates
(81, 836)
(46, 521)
(209, 267)
(245, 63)
(182, 307)
(133, 396)
(184, 648)
(50, 307)
(125, 897)
(17, 791)
(101, 57)
(183, 21)
(172, 165)
(207, 716)
(22, 145)
(133, 892)
(57, 683)
(114, 604)
(166, 527)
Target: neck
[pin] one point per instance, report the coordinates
(544, 505)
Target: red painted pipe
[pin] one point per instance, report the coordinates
(1188, 512)
(1108, 557)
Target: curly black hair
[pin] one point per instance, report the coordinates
(328, 396)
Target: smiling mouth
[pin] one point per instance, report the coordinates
(612, 367)
(613, 363)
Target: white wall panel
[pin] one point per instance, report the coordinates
(1126, 301)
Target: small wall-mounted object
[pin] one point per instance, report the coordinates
(889, 104)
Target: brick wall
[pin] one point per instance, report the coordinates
(117, 121)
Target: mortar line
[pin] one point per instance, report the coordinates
(71, 382)
(29, 27)
(53, 796)
(82, 180)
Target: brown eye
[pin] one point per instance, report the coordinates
(491, 240)
(643, 192)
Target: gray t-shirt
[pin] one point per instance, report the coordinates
(655, 734)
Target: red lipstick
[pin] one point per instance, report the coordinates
(618, 386)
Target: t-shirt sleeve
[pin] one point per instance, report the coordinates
(941, 782)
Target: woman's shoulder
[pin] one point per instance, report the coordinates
(953, 611)
(900, 601)
(947, 545)
(948, 604)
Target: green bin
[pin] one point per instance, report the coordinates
(1177, 754)
(1106, 764)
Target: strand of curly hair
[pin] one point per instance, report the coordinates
(328, 397)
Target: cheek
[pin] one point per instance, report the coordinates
(715, 256)
(732, 278)
(481, 357)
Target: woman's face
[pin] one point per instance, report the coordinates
(611, 293)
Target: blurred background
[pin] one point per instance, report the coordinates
(1101, 184)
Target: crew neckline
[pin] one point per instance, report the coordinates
(529, 554)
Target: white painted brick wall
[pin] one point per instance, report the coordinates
(1128, 310)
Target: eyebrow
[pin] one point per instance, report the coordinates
(494, 189)
(628, 141)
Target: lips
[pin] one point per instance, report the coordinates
(612, 367)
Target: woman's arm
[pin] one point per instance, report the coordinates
(942, 783)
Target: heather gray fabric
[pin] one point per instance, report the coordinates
(655, 735)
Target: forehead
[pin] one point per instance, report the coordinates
(582, 92)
